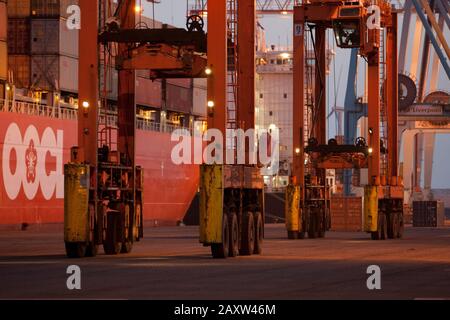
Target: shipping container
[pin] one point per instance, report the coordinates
(3, 21)
(67, 8)
(20, 66)
(52, 8)
(178, 98)
(148, 92)
(68, 74)
(68, 39)
(346, 214)
(19, 8)
(3, 60)
(45, 72)
(19, 36)
(199, 97)
(52, 36)
(428, 214)
(183, 83)
(45, 36)
(45, 8)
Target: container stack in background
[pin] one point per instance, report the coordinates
(43, 59)
(3, 48)
(43, 50)
(428, 214)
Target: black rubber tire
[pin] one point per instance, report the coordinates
(112, 245)
(127, 247)
(247, 235)
(91, 250)
(401, 226)
(292, 235)
(233, 250)
(391, 225)
(220, 250)
(380, 234)
(75, 249)
(312, 228)
(395, 225)
(383, 235)
(320, 225)
(259, 233)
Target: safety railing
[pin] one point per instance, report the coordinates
(65, 113)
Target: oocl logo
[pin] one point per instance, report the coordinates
(30, 170)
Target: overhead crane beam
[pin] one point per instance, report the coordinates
(263, 7)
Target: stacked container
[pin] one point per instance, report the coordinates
(428, 214)
(43, 50)
(3, 48)
(43, 56)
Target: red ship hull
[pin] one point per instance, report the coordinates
(33, 150)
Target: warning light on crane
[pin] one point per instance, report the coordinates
(138, 9)
(297, 150)
(211, 104)
(85, 104)
(370, 150)
(208, 71)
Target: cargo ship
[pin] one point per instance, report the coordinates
(38, 118)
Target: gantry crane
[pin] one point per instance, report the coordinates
(103, 201)
(231, 196)
(307, 197)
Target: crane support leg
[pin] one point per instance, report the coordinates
(80, 209)
(295, 191)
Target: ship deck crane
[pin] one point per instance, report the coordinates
(103, 184)
(308, 196)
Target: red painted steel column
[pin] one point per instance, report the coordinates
(88, 84)
(320, 87)
(127, 82)
(392, 96)
(373, 96)
(217, 61)
(246, 67)
(299, 96)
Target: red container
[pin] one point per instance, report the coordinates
(18, 8)
(3, 21)
(346, 214)
(19, 36)
(20, 66)
(148, 92)
(3, 60)
(179, 97)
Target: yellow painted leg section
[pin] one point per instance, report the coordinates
(370, 209)
(211, 203)
(76, 200)
(292, 208)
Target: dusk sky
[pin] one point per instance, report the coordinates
(279, 32)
